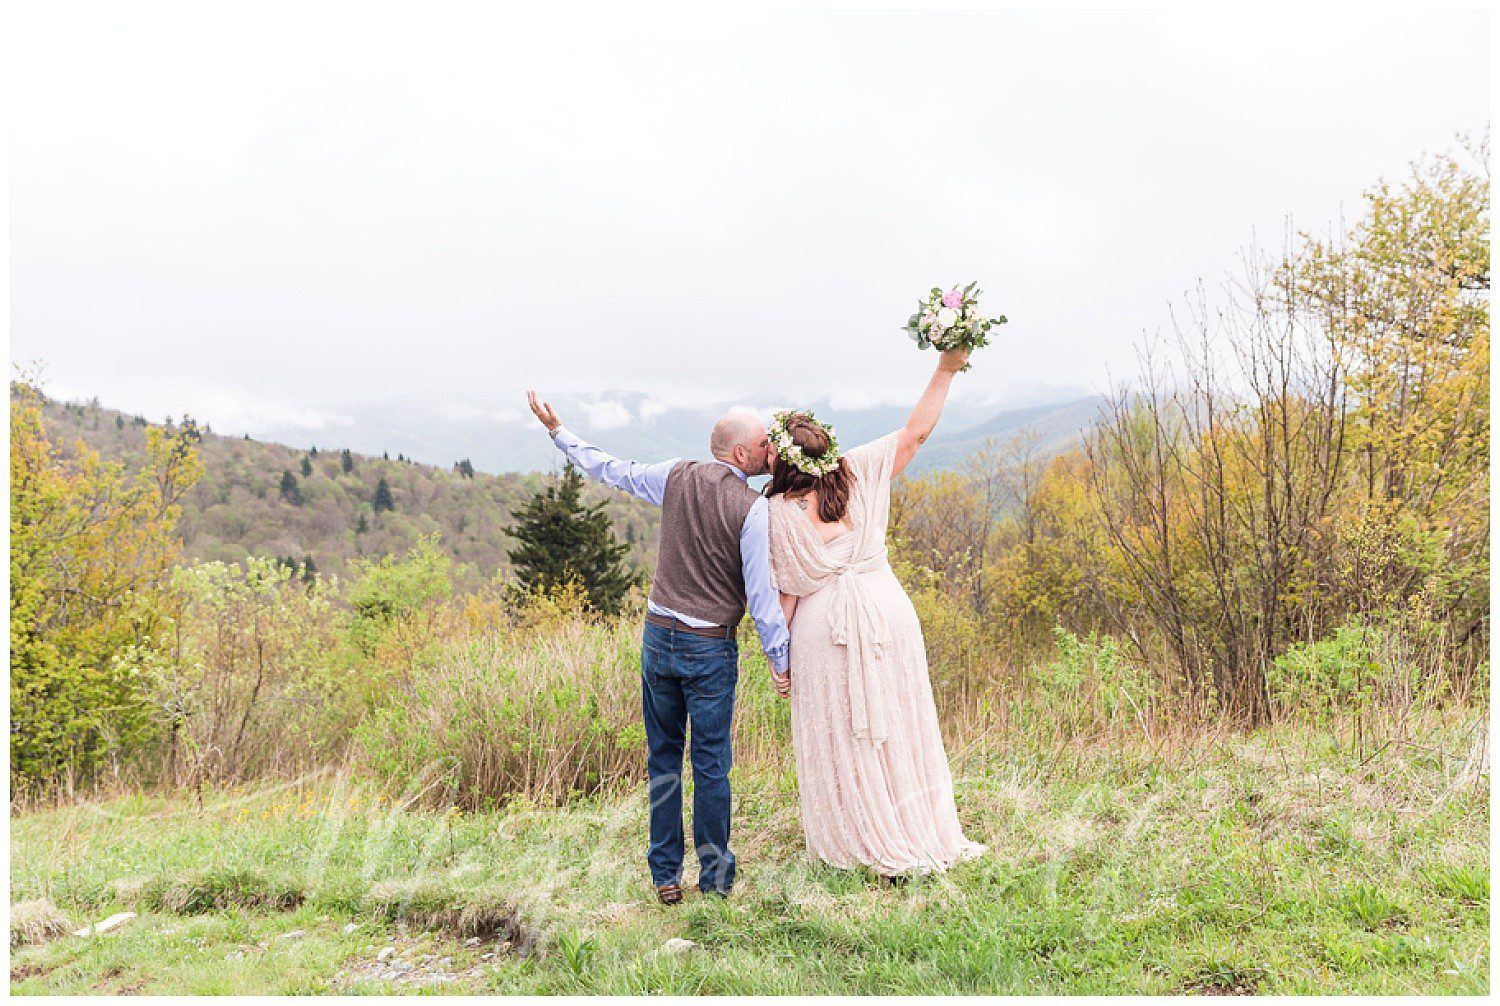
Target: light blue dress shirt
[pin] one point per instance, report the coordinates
(649, 482)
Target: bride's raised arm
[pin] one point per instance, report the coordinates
(923, 418)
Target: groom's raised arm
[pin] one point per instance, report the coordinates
(646, 481)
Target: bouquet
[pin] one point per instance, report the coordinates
(951, 320)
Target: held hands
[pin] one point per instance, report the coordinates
(783, 683)
(951, 361)
(543, 412)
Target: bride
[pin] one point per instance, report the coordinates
(873, 778)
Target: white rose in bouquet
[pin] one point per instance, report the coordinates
(946, 318)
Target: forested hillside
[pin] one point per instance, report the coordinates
(265, 499)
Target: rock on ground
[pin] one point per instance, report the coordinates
(109, 924)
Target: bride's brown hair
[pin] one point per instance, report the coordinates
(832, 490)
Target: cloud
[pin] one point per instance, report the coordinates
(760, 412)
(223, 409)
(258, 217)
(459, 412)
(869, 396)
(605, 415)
(651, 408)
(250, 416)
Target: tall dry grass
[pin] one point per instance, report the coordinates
(546, 712)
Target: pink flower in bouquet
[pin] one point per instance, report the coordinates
(953, 298)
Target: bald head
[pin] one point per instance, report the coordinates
(740, 439)
(734, 430)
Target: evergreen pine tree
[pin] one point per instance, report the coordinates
(306, 466)
(464, 468)
(289, 490)
(383, 500)
(346, 461)
(386, 455)
(562, 539)
(309, 571)
(119, 422)
(314, 450)
(363, 527)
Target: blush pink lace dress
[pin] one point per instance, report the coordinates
(873, 779)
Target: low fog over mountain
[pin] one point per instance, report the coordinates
(504, 437)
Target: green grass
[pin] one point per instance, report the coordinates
(1273, 863)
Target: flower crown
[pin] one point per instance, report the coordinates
(788, 450)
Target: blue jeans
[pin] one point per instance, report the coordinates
(687, 678)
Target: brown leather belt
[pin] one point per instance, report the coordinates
(713, 632)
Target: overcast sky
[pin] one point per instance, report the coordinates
(258, 217)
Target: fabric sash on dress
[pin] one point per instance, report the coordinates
(859, 625)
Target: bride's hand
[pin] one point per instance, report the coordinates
(953, 360)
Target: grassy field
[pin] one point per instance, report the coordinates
(1271, 863)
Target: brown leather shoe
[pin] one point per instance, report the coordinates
(669, 894)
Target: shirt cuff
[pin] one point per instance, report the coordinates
(553, 433)
(778, 660)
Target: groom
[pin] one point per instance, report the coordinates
(714, 560)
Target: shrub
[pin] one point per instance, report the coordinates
(33, 922)
(252, 681)
(1318, 677)
(383, 593)
(217, 889)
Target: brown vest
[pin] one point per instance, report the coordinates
(698, 564)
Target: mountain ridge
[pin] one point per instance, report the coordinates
(638, 426)
(238, 509)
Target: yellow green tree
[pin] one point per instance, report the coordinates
(91, 547)
(1406, 294)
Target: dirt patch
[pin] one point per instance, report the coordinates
(419, 961)
(1222, 990)
(21, 972)
(467, 915)
(105, 987)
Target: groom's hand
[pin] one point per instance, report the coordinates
(783, 682)
(543, 412)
